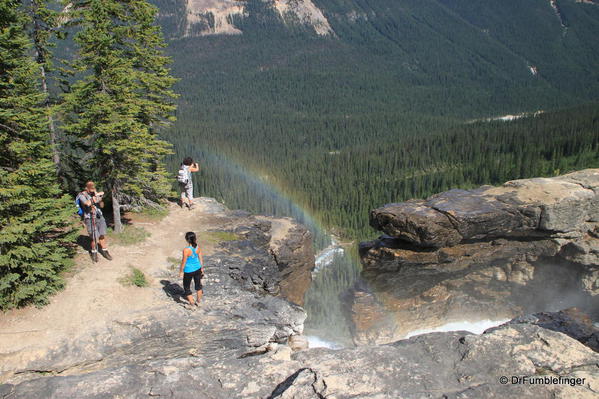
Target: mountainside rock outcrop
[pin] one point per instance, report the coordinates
(216, 17)
(291, 246)
(489, 253)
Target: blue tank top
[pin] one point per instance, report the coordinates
(193, 261)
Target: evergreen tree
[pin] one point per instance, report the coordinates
(44, 22)
(34, 218)
(122, 99)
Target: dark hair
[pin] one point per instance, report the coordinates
(187, 161)
(191, 238)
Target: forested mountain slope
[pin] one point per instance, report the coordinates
(376, 108)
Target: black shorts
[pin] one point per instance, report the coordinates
(196, 276)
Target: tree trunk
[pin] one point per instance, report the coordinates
(41, 59)
(116, 211)
(53, 139)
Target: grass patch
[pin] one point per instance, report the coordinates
(215, 237)
(153, 214)
(135, 278)
(129, 236)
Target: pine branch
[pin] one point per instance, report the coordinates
(9, 129)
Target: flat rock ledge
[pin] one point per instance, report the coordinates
(522, 359)
(560, 207)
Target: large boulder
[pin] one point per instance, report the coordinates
(546, 207)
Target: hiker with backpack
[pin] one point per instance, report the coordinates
(89, 202)
(191, 268)
(186, 182)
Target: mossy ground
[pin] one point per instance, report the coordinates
(216, 237)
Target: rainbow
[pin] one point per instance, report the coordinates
(285, 204)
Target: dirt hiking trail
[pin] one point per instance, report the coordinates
(94, 297)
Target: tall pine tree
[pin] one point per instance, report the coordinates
(121, 100)
(44, 26)
(34, 218)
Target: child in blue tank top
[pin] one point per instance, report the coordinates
(191, 268)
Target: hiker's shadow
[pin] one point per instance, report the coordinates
(173, 290)
(84, 242)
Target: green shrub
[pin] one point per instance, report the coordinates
(135, 277)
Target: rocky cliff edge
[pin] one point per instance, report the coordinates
(242, 343)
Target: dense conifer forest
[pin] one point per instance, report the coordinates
(385, 109)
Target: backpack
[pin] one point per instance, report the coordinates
(183, 176)
(78, 205)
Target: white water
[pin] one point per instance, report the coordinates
(475, 327)
(509, 118)
(327, 255)
(316, 342)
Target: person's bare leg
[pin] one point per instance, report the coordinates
(200, 293)
(94, 250)
(104, 246)
(190, 299)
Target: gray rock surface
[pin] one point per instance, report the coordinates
(571, 322)
(546, 207)
(239, 344)
(291, 246)
(489, 253)
(438, 365)
(274, 255)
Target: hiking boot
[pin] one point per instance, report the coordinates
(94, 256)
(106, 254)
